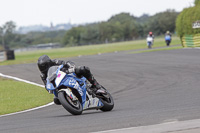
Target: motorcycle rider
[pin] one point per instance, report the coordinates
(168, 38)
(150, 35)
(150, 39)
(44, 63)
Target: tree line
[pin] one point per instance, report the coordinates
(120, 27)
(10, 39)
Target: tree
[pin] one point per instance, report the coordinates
(185, 20)
(7, 33)
(2, 34)
(73, 36)
(162, 22)
(89, 35)
(121, 27)
(197, 2)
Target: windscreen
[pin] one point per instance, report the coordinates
(52, 70)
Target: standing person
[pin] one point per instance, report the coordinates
(168, 38)
(44, 63)
(150, 39)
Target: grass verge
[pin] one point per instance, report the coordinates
(17, 96)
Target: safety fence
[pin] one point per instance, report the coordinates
(191, 40)
(7, 55)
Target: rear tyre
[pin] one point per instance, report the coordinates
(108, 102)
(167, 42)
(74, 107)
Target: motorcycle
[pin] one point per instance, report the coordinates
(75, 94)
(149, 41)
(168, 40)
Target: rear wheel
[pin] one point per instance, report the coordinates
(168, 42)
(74, 107)
(107, 100)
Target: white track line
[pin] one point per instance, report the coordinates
(160, 128)
(29, 82)
(22, 80)
(27, 110)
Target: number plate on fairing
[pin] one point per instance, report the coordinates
(59, 77)
(74, 84)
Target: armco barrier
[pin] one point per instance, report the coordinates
(191, 40)
(2, 56)
(7, 55)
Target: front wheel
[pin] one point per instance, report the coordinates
(74, 107)
(108, 102)
(149, 44)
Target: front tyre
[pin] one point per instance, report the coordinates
(107, 101)
(74, 107)
(149, 44)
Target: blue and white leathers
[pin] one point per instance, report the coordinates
(61, 81)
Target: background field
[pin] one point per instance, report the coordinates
(32, 56)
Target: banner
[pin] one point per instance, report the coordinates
(196, 24)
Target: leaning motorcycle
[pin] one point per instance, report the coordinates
(75, 94)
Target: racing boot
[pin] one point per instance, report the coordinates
(85, 71)
(96, 87)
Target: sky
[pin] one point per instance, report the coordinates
(44, 12)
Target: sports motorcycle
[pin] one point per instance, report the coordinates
(75, 94)
(168, 40)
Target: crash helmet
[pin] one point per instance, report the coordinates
(150, 33)
(44, 63)
(167, 32)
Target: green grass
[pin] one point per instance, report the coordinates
(17, 96)
(32, 56)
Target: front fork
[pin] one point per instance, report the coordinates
(68, 91)
(55, 93)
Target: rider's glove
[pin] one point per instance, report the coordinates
(65, 70)
(69, 66)
(68, 70)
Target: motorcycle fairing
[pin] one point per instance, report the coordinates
(92, 103)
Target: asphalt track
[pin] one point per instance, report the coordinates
(148, 88)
